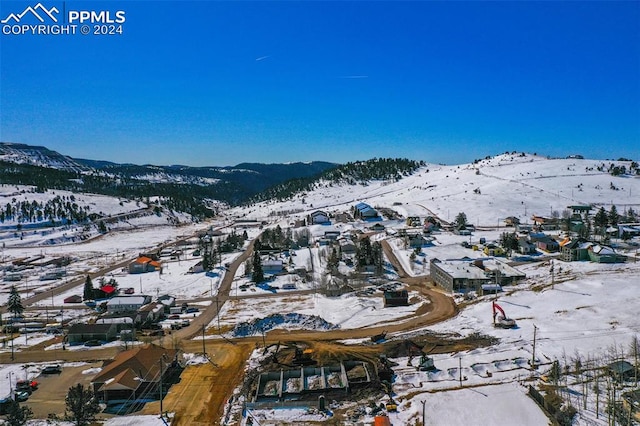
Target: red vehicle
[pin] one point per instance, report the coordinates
(26, 385)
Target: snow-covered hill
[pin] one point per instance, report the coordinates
(38, 156)
(487, 191)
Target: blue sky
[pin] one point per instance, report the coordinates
(219, 83)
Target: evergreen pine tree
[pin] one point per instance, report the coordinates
(363, 253)
(14, 305)
(102, 228)
(509, 240)
(88, 289)
(333, 261)
(82, 405)
(378, 258)
(460, 221)
(17, 415)
(258, 273)
(614, 217)
(601, 219)
(206, 258)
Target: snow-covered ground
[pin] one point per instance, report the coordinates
(590, 310)
(345, 312)
(510, 185)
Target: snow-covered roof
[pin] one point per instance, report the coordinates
(462, 269)
(603, 250)
(127, 300)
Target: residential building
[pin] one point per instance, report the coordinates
(80, 333)
(364, 211)
(576, 249)
(134, 374)
(603, 254)
(465, 275)
(144, 264)
(347, 246)
(525, 246)
(272, 266)
(127, 303)
(319, 217)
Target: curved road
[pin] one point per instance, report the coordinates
(440, 308)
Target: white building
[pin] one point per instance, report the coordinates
(127, 303)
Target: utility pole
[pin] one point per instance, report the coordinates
(423, 417)
(160, 361)
(62, 324)
(204, 349)
(460, 369)
(609, 404)
(533, 355)
(218, 314)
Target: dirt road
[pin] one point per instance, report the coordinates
(210, 313)
(200, 396)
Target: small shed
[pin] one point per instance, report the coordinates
(377, 227)
(621, 371)
(511, 221)
(73, 299)
(197, 268)
(396, 298)
(494, 250)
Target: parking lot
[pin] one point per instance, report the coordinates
(53, 388)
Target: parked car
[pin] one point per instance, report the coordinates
(174, 316)
(185, 323)
(129, 290)
(92, 343)
(52, 369)
(21, 396)
(26, 385)
(192, 310)
(157, 333)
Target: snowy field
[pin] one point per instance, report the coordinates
(345, 312)
(510, 185)
(590, 311)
